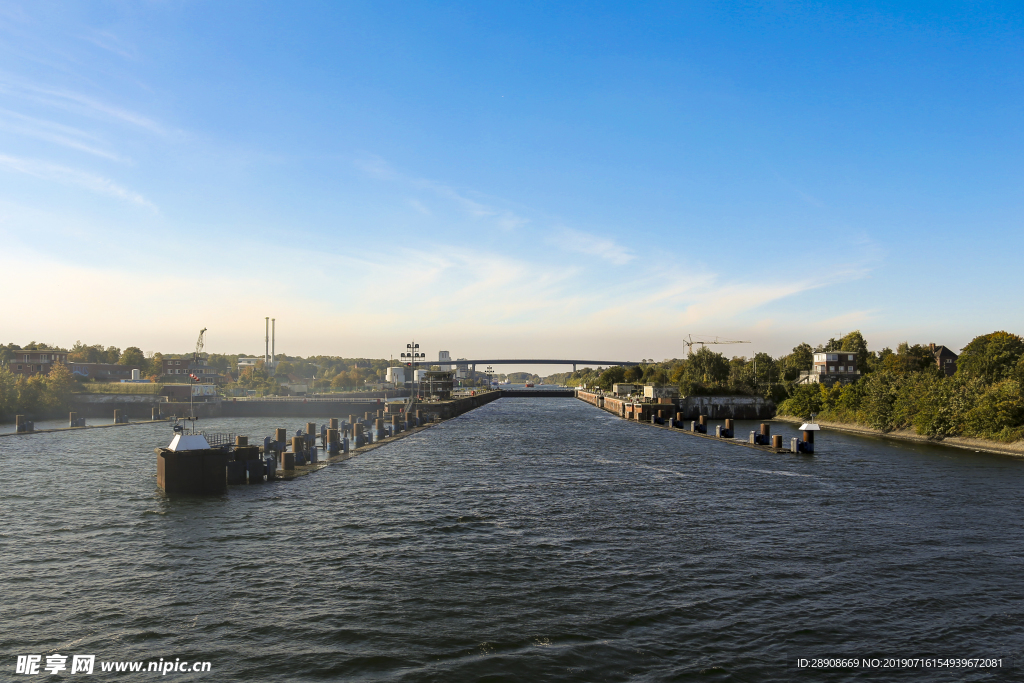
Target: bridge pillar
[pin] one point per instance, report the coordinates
(574, 367)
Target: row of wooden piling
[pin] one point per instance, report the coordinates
(211, 471)
(665, 415)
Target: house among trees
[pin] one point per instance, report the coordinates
(36, 362)
(830, 367)
(944, 358)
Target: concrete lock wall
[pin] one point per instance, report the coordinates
(457, 407)
(691, 407)
(735, 407)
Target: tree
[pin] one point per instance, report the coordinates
(707, 366)
(909, 359)
(111, 355)
(613, 375)
(155, 366)
(219, 361)
(991, 357)
(8, 392)
(133, 358)
(59, 384)
(6, 354)
(633, 373)
(799, 360)
(854, 342)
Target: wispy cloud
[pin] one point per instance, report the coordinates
(77, 102)
(592, 245)
(55, 133)
(419, 206)
(63, 174)
(111, 43)
(507, 220)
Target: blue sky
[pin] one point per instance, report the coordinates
(513, 179)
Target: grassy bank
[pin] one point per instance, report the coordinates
(117, 388)
(985, 445)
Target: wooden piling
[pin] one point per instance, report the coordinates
(73, 420)
(333, 424)
(311, 428)
(777, 441)
(241, 441)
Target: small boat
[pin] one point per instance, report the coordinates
(529, 385)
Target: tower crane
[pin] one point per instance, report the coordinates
(192, 378)
(690, 342)
(199, 344)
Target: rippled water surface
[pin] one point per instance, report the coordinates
(528, 540)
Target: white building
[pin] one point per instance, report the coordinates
(655, 391)
(623, 388)
(444, 358)
(830, 367)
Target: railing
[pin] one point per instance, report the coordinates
(219, 439)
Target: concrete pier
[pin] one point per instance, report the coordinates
(658, 415)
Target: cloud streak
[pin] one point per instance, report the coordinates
(70, 100)
(584, 243)
(55, 133)
(377, 168)
(62, 174)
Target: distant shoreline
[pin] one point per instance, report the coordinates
(1015, 449)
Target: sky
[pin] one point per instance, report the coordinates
(530, 179)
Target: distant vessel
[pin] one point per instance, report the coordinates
(529, 385)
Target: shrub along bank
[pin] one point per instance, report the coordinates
(984, 399)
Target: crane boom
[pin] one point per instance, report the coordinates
(690, 341)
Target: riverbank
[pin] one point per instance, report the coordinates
(1016, 448)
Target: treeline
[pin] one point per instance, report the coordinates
(896, 389)
(704, 372)
(42, 395)
(906, 389)
(319, 373)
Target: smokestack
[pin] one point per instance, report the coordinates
(266, 353)
(273, 341)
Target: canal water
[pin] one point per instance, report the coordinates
(528, 540)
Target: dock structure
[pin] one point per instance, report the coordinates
(664, 414)
(208, 467)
